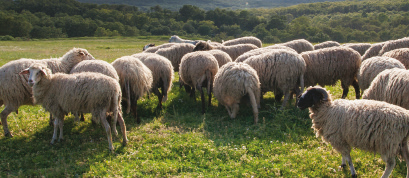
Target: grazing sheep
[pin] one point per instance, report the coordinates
(135, 80)
(394, 44)
(233, 51)
(162, 73)
(401, 54)
(148, 46)
(156, 48)
(14, 90)
(300, 45)
(232, 82)
(371, 67)
(327, 66)
(390, 86)
(279, 71)
(360, 47)
(81, 92)
(177, 39)
(373, 126)
(221, 56)
(197, 69)
(258, 51)
(373, 50)
(214, 43)
(244, 40)
(326, 44)
(98, 66)
(175, 53)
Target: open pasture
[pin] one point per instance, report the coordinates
(176, 141)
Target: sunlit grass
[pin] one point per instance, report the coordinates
(176, 141)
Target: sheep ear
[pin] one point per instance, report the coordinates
(43, 71)
(25, 71)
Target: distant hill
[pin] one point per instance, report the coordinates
(175, 5)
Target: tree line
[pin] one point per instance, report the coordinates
(346, 21)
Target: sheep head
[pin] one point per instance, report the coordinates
(313, 96)
(203, 46)
(36, 73)
(148, 46)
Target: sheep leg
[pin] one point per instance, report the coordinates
(347, 157)
(286, 96)
(4, 115)
(209, 86)
(405, 154)
(51, 122)
(278, 96)
(234, 110)
(56, 121)
(192, 93)
(82, 117)
(228, 110)
(107, 129)
(159, 95)
(390, 164)
(357, 90)
(123, 129)
(203, 99)
(164, 90)
(254, 104)
(134, 107)
(345, 89)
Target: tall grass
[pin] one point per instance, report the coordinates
(175, 141)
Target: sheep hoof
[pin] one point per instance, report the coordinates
(353, 175)
(8, 134)
(125, 142)
(52, 142)
(60, 140)
(343, 166)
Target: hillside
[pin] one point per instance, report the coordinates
(175, 5)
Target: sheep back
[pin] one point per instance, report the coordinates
(194, 65)
(175, 53)
(401, 54)
(153, 49)
(373, 50)
(300, 45)
(235, 51)
(244, 40)
(98, 66)
(394, 44)
(326, 44)
(221, 56)
(360, 47)
(258, 51)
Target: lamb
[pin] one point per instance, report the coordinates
(177, 39)
(401, 54)
(196, 70)
(373, 126)
(232, 82)
(175, 53)
(300, 45)
(148, 46)
(156, 48)
(373, 51)
(14, 90)
(394, 44)
(81, 92)
(360, 47)
(98, 66)
(390, 86)
(258, 51)
(327, 66)
(135, 80)
(244, 40)
(162, 73)
(279, 71)
(371, 67)
(233, 51)
(326, 44)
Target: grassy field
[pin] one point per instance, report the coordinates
(177, 141)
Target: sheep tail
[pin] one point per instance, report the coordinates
(128, 97)
(253, 102)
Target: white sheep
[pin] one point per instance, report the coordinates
(135, 80)
(153, 49)
(175, 53)
(373, 50)
(177, 39)
(14, 90)
(81, 92)
(360, 47)
(300, 45)
(369, 125)
(394, 44)
(244, 40)
(279, 71)
(328, 65)
(258, 51)
(234, 81)
(162, 73)
(233, 51)
(401, 54)
(221, 56)
(197, 70)
(326, 44)
(371, 67)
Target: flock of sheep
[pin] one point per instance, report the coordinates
(233, 70)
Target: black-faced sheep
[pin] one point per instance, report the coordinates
(326, 44)
(244, 40)
(371, 67)
(197, 70)
(175, 53)
(401, 54)
(14, 90)
(162, 73)
(234, 81)
(81, 92)
(390, 86)
(135, 80)
(373, 126)
(233, 51)
(279, 71)
(327, 66)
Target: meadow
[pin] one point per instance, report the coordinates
(177, 141)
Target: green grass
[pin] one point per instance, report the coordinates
(176, 141)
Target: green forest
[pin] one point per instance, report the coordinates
(345, 21)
